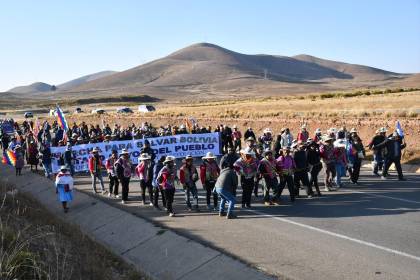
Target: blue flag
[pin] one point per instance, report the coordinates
(399, 129)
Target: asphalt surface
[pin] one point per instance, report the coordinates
(366, 231)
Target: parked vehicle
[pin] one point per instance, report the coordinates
(98, 111)
(146, 108)
(124, 110)
(78, 110)
(28, 115)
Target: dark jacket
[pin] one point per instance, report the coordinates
(300, 160)
(313, 156)
(375, 143)
(393, 148)
(227, 180)
(228, 160)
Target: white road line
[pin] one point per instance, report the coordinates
(337, 235)
(383, 196)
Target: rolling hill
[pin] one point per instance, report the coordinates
(79, 81)
(207, 68)
(32, 88)
(210, 71)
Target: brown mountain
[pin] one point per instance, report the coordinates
(210, 71)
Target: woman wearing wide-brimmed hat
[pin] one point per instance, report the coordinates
(64, 187)
(145, 175)
(166, 178)
(269, 168)
(123, 168)
(340, 161)
(246, 167)
(326, 150)
(209, 171)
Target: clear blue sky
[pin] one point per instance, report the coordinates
(55, 41)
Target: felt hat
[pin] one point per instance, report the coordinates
(209, 155)
(169, 159)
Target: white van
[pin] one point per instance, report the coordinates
(146, 108)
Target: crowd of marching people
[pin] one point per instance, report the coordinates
(273, 161)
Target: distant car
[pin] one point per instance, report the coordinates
(78, 110)
(124, 110)
(53, 112)
(146, 108)
(28, 115)
(98, 111)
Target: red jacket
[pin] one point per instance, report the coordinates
(92, 162)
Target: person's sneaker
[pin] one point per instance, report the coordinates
(267, 203)
(117, 196)
(109, 194)
(122, 201)
(231, 216)
(383, 177)
(277, 202)
(94, 191)
(221, 214)
(248, 206)
(310, 195)
(171, 214)
(319, 194)
(188, 208)
(103, 192)
(327, 190)
(151, 203)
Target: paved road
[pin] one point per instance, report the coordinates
(371, 231)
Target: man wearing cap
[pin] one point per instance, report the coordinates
(246, 167)
(287, 165)
(112, 174)
(123, 168)
(145, 175)
(188, 176)
(64, 187)
(68, 159)
(269, 169)
(209, 172)
(326, 150)
(95, 169)
(394, 146)
(166, 178)
(378, 150)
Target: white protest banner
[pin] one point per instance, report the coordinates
(196, 145)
